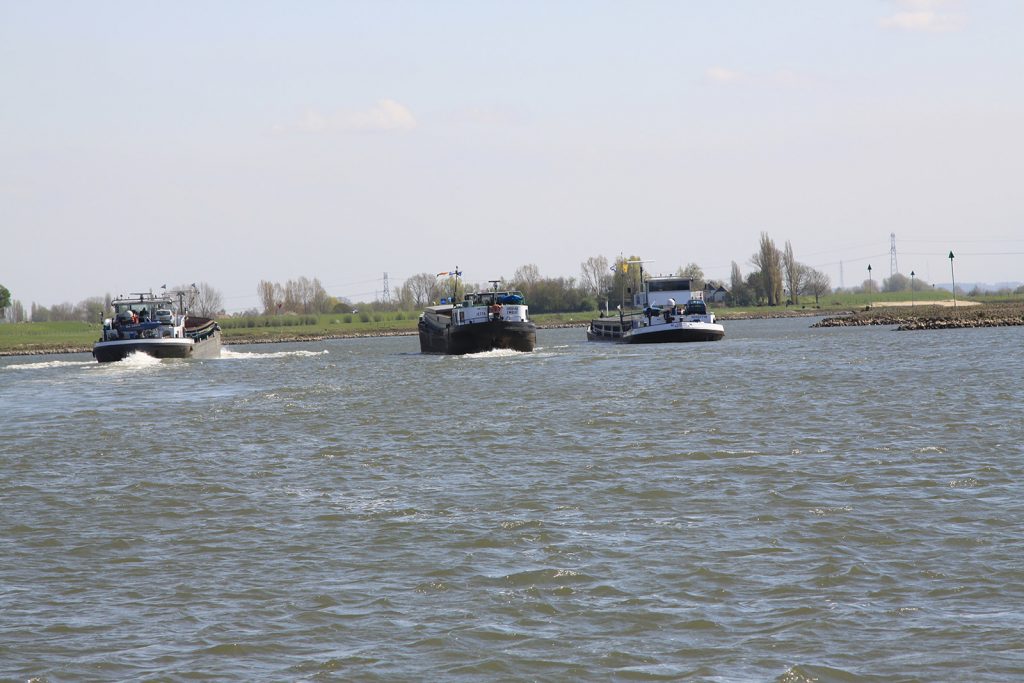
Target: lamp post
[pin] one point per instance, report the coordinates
(871, 285)
(911, 289)
(951, 275)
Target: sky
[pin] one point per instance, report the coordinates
(152, 143)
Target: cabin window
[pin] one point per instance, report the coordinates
(672, 285)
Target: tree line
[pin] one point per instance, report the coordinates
(775, 278)
(601, 283)
(201, 299)
(778, 279)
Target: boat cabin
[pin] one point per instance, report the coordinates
(479, 307)
(657, 291)
(143, 316)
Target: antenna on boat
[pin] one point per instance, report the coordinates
(641, 263)
(454, 275)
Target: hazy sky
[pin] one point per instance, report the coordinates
(150, 143)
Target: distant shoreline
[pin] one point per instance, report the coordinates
(239, 340)
(925, 315)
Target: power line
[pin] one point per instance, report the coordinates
(967, 253)
(955, 242)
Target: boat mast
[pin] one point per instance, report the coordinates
(455, 283)
(641, 264)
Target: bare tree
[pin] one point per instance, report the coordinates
(404, 299)
(303, 294)
(210, 301)
(695, 273)
(597, 277)
(318, 296)
(422, 287)
(817, 283)
(796, 273)
(63, 312)
(526, 276)
(739, 293)
(626, 279)
(92, 309)
(735, 277)
(293, 296)
(17, 312)
(265, 290)
(203, 300)
(769, 260)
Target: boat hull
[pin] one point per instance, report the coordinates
(669, 333)
(439, 336)
(676, 335)
(112, 351)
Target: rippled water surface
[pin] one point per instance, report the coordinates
(788, 504)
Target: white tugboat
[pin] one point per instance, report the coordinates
(144, 322)
(659, 318)
(482, 321)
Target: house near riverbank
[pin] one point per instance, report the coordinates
(715, 292)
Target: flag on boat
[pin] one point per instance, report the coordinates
(444, 273)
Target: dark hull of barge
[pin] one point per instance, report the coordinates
(439, 336)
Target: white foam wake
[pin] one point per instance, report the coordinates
(137, 359)
(495, 353)
(251, 355)
(43, 365)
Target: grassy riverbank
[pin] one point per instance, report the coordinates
(60, 337)
(878, 309)
(78, 337)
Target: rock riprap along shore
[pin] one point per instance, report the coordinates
(932, 317)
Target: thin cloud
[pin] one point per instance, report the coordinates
(924, 16)
(385, 116)
(930, 22)
(776, 79)
(721, 74)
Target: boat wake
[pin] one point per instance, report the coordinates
(496, 353)
(137, 360)
(252, 355)
(50, 364)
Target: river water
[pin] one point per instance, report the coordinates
(788, 504)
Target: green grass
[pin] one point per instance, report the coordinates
(841, 302)
(238, 329)
(998, 298)
(858, 300)
(31, 336)
(27, 337)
